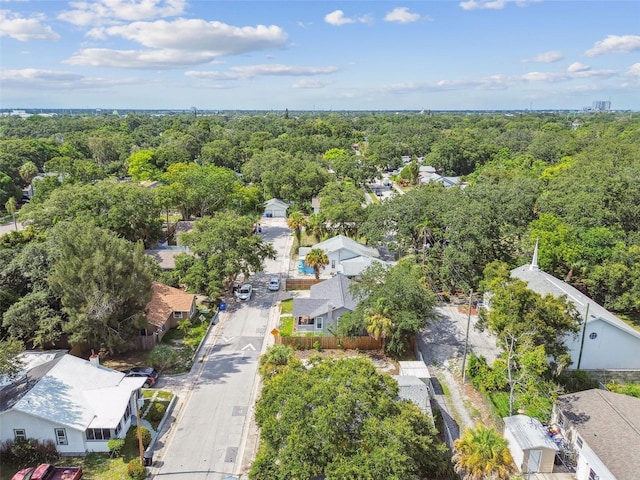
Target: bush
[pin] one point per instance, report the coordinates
(157, 411)
(115, 446)
(136, 470)
(163, 356)
(145, 434)
(576, 381)
(23, 453)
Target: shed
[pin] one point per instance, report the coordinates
(531, 447)
(414, 390)
(275, 208)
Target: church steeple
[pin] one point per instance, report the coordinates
(534, 260)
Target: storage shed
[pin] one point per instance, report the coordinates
(531, 447)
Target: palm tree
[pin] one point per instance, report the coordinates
(317, 259)
(12, 207)
(482, 453)
(378, 322)
(28, 171)
(296, 221)
(315, 226)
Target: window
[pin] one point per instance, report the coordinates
(61, 436)
(19, 434)
(177, 314)
(127, 412)
(593, 335)
(319, 321)
(118, 428)
(593, 475)
(579, 442)
(333, 264)
(98, 434)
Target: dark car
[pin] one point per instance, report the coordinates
(149, 372)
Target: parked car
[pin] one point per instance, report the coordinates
(274, 284)
(244, 292)
(46, 471)
(149, 372)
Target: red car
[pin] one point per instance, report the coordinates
(47, 471)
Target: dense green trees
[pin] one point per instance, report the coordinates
(341, 418)
(127, 209)
(223, 246)
(399, 295)
(572, 185)
(104, 284)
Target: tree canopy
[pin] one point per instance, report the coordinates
(341, 418)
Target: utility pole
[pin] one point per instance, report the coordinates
(584, 330)
(466, 341)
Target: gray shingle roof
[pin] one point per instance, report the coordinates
(324, 296)
(341, 242)
(610, 424)
(336, 290)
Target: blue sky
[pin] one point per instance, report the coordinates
(319, 55)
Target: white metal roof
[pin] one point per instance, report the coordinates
(415, 368)
(529, 432)
(80, 395)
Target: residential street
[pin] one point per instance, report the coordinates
(212, 430)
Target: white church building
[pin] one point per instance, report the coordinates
(604, 341)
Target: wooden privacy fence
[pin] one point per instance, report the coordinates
(331, 343)
(300, 283)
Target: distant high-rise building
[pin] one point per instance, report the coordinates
(601, 105)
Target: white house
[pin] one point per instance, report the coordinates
(604, 341)
(327, 302)
(78, 404)
(275, 208)
(603, 430)
(531, 447)
(346, 256)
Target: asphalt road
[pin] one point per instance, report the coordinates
(212, 430)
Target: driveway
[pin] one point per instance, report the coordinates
(441, 345)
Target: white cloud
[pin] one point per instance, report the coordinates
(493, 82)
(401, 15)
(634, 71)
(309, 83)
(493, 4)
(34, 75)
(214, 37)
(578, 67)
(547, 57)
(615, 44)
(251, 71)
(139, 59)
(24, 29)
(108, 11)
(575, 71)
(337, 18)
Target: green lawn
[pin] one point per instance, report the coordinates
(286, 326)
(286, 307)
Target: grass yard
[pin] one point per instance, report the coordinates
(286, 307)
(500, 403)
(286, 326)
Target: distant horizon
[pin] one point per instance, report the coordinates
(317, 55)
(107, 111)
